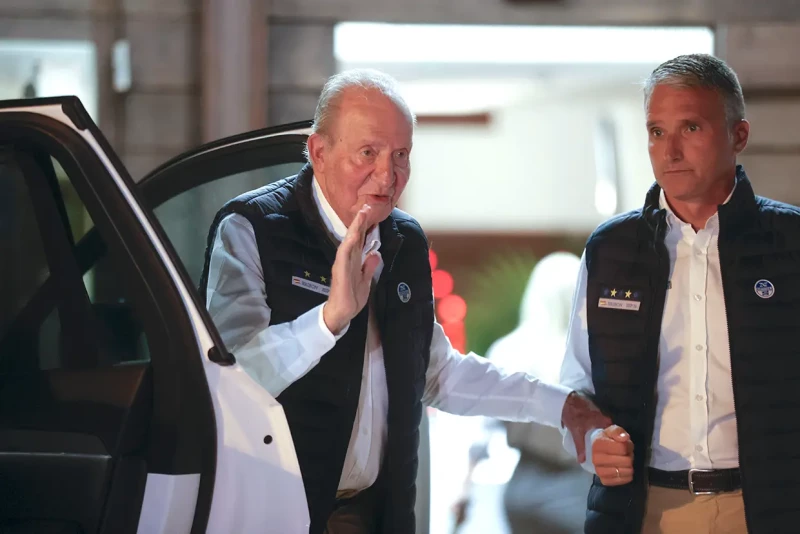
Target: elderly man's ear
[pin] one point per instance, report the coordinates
(316, 150)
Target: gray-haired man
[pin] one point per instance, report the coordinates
(686, 328)
(354, 351)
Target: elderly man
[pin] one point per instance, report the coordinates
(685, 330)
(322, 289)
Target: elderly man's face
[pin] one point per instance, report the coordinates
(693, 148)
(364, 158)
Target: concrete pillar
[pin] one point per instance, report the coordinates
(300, 60)
(233, 67)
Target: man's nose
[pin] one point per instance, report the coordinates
(384, 171)
(674, 151)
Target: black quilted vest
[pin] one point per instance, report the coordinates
(321, 406)
(759, 240)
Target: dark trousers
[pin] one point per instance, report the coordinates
(356, 515)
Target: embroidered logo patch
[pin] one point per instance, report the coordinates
(404, 292)
(764, 289)
(316, 283)
(620, 298)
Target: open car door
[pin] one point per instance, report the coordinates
(120, 409)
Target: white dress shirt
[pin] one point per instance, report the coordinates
(695, 423)
(278, 355)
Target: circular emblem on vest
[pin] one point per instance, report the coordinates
(764, 289)
(404, 292)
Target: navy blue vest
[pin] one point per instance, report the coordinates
(759, 240)
(321, 406)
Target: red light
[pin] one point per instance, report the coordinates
(451, 309)
(442, 283)
(432, 259)
(457, 335)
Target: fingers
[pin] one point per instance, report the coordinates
(611, 460)
(615, 476)
(617, 433)
(606, 445)
(370, 264)
(357, 230)
(612, 456)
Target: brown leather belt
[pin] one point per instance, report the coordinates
(697, 481)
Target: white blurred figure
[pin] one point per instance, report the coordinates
(536, 346)
(537, 343)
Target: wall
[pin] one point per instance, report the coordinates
(532, 168)
(547, 12)
(160, 115)
(158, 118)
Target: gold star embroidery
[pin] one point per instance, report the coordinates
(308, 274)
(323, 279)
(613, 292)
(627, 294)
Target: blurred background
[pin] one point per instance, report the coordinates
(538, 99)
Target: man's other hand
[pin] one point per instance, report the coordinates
(350, 277)
(612, 456)
(579, 416)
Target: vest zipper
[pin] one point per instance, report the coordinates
(660, 250)
(401, 238)
(733, 380)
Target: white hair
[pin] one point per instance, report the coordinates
(367, 79)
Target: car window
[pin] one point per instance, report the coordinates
(66, 304)
(23, 268)
(187, 217)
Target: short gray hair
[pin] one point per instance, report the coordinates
(700, 70)
(368, 79)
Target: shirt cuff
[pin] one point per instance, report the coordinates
(588, 441)
(590, 438)
(329, 336)
(548, 403)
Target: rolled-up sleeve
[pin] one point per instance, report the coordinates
(274, 355)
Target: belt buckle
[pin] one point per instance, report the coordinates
(691, 481)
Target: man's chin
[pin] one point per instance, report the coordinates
(378, 215)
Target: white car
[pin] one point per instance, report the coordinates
(120, 409)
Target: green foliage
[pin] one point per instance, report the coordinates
(493, 293)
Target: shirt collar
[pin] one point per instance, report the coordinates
(673, 220)
(334, 224)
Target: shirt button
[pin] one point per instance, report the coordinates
(699, 347)
(699, 397)
(699, 448)
(698, 297)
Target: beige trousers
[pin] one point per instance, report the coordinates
(674, 511)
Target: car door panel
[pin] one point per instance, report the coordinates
(68, 439)
(247, 478)
(85, 414)
(256, 436)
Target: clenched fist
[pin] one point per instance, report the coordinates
(612, 456)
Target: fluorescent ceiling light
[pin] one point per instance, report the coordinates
(463, 96)
(356, 42)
